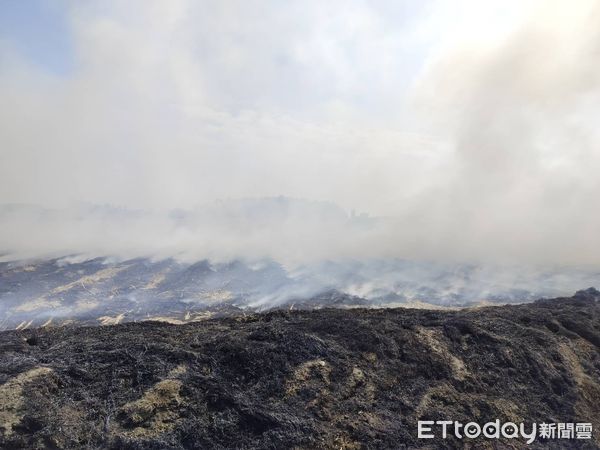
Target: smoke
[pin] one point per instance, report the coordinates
(519, 109)
(290, 231)
(466, 131)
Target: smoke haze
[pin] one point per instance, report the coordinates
(461, 130)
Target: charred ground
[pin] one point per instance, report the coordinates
(330, 378)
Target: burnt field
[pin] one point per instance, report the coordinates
(330, 378)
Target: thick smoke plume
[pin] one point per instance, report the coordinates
(465, 131)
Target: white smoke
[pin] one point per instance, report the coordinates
(467, 128)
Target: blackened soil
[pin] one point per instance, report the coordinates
(331, 378)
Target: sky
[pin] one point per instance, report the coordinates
(470, 126)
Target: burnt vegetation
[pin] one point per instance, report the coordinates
(329, 378)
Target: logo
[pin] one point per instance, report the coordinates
(429, 429)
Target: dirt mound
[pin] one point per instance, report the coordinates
(331, 378)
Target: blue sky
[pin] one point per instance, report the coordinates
(40, 31)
